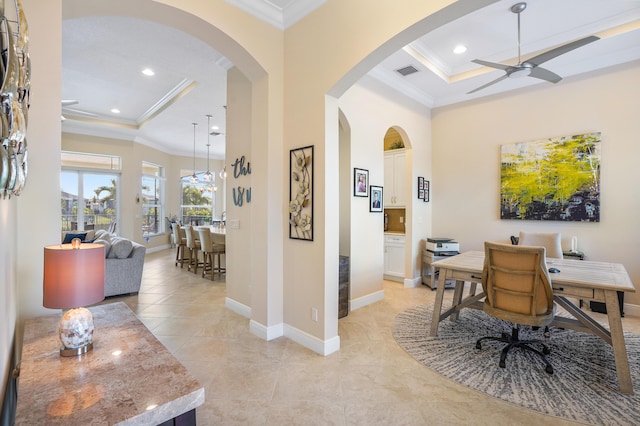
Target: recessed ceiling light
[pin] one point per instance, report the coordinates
(115, 111)
(459, 49)
(214, 127)
(148, 71)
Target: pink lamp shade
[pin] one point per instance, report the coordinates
(73, 277)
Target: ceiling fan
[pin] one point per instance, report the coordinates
(530, 67)
(66, 103)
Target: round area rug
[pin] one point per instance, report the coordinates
(583, 387)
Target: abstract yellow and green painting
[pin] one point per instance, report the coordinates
(551, 179)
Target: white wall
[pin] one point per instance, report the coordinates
(371, 110)
(466, 160)
(238, 241)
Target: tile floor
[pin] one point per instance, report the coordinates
(248, 381)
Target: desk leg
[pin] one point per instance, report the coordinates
(617, 341)
(437, 306)
(457, 298)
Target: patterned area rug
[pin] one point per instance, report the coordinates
(583, 387)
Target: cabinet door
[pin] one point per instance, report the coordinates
(388, 192)
(394, 260)
(400, 178)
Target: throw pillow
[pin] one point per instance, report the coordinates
(105, 243)
(120, 248)
(99, 233)
(69, 236)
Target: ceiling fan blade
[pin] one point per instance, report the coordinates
(491, 64)
(545, 74)
(69, 102)
(546, 56)
(488, 84)
(73, 111)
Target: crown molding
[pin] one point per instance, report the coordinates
(279, 13)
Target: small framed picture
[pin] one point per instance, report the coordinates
(360, 182)
(426, 191)
(375, 198)
(420, 183)
(420, 194)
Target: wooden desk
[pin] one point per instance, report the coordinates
(599, 281)
(141, 384)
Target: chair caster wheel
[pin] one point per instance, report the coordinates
(549, 369)
(502, 364)
(478, 345)
(546, 350)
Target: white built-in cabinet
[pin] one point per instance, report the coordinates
(394, 256)
(395, 169)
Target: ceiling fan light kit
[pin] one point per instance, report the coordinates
(531, 67)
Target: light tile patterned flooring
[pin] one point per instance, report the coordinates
(249, 381)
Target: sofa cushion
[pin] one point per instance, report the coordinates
(120, 248)
(70, 236)
(105, 243)
(100, 232)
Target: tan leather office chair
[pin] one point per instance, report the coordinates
(550, 241)
(518, 289)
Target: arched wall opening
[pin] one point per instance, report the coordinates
(250, 283)
(362, 272)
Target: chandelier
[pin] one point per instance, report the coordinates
(208, 176)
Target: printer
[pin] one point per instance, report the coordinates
(443, 246)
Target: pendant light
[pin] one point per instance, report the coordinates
(208, 176)
(194, 178)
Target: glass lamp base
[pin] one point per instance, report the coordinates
(76, 332)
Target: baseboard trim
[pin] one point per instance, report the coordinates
(266, 333)
(395, 278)
(158, 248)
(413, 282)
(631, 310)
(363, 301)
(322, 347)
(237, 307)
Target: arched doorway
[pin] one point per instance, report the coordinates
(246, 295)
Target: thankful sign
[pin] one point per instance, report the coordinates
(240, 193)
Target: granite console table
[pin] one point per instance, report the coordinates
(129, 378)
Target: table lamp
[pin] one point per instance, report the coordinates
(73, 278)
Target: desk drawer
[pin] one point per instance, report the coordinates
(581, 292)
(464, 276)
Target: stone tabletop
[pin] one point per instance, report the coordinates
(129, 378)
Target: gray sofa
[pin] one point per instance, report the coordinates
(124, 276)
(123, 264)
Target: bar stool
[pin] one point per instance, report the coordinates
(206, 246)
(180, 238)
(193, 244)
(219, 248)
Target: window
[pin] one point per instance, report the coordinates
(152, 199)
(197, 200)
(89, 191)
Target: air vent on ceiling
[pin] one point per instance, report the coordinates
(407, 70)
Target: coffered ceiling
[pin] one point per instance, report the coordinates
(103, 58)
